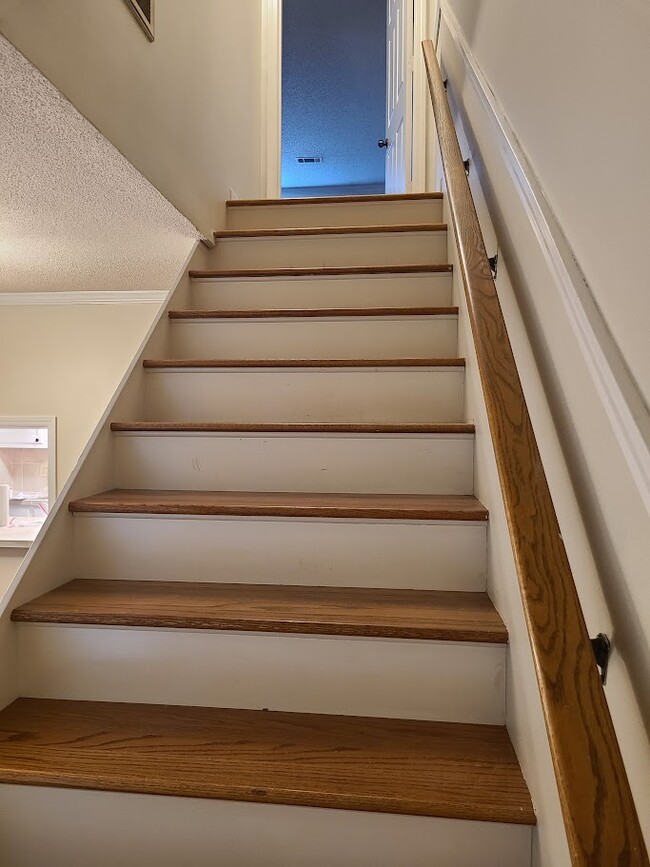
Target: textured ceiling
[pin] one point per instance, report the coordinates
(74, 213)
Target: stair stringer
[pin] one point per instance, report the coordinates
(524, 715)
(49, 561)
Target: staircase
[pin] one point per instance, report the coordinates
(275, 646)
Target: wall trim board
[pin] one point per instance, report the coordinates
(614, 383)
(420, 99)
(271, 95)
(24, 299)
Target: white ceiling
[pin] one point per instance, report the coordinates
(74, 213)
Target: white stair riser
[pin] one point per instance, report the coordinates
(339, 214)
(364, 290)
(456, 682)
(376, 248)
(356, 337)
(401, 554)
(42, 826)
(441, 464)
(382, 395)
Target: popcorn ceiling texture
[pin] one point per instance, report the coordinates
(75, 215)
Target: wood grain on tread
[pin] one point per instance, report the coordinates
(597, 804)
(314, 313)
(423, 507)
(335, 200)
(315, 427)
(415, 614)
(301, 362)
(322, 271)
(397, 228)
(354, 763)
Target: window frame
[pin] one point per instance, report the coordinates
(39, 421)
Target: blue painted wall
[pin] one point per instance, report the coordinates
(333, 91)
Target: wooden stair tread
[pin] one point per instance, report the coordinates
(423, 507)
(392, 766)
(415, 614)
(335, 200)
(314, 427)
(295, 232)
(320, 271)
(162, 363)
(313, 313)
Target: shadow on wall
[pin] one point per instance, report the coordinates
(333, 97)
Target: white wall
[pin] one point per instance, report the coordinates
(184, 110)
(65, 361)
(10, 560)
(600, 506)
(573, 79)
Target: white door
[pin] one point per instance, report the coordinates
(398, 95)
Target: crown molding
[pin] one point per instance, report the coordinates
(117, 296)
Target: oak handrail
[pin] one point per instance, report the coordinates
(599, 813)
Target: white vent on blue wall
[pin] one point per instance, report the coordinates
(310, 159)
